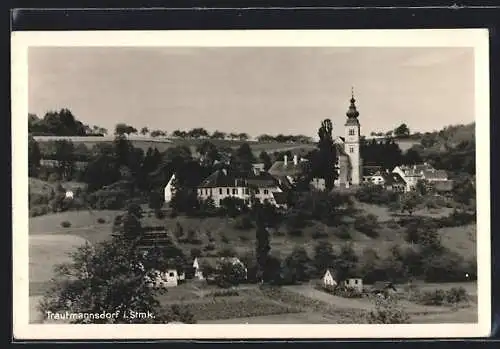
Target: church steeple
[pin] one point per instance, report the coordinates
(352, 112)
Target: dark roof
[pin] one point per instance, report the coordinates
(444, 186)
(370, 170)
(280, 198)
(290, 169)
(393, 178)
(435, 174)
(383, 285)
(225, 178)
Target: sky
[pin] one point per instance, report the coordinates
(254, 90)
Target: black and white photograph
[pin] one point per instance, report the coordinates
(251, 179)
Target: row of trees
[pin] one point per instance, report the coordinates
(61, 123)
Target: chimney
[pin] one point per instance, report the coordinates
(295, 160)
(285, 160)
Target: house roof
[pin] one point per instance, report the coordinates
(370, 170)
(393, 178)
(280, 198)
(444, 186)
(225, 178)
(435, 174)
(281, 170)
(383, 285)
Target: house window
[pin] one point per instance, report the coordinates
(246, 191)
(266, 191)
(355, 282)
(351, 149)
(235, 191)
(220, 191)
(351, 132)
(220, 202)
(210, 192)
(228, 192)
(257, 191)
(171, 274)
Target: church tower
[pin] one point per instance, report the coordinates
(352, 142)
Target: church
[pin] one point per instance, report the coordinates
(349, 162)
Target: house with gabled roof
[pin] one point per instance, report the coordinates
(223, 183)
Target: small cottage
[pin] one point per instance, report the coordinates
(168, 278)
(328, 279)
(355, 283)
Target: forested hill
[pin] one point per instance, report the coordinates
(453, 148)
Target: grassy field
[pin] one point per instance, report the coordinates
(37, 186)
(162, 144)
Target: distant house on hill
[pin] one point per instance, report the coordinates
(169, 189)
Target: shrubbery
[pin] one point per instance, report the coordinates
(367, 225)
(452, 296)
(340, 291)
(375, 194)
(65, 224)
(101, 220)
(387, 311)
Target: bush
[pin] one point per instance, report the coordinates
(39, 210)
(101, 220)
(224, 293)
(375, 194)
(244, 223)
(438, 297)
(295, 232)
(53, 177)
(65, 224)
(340, 291)
(319, 235)
(209, 247)
(367, 225)
(342, 232)
(387, 311)
(224, 239)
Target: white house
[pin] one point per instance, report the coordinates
(169, 190)
(356, 283)
(168, 278)
(328, 279)
(222, 184)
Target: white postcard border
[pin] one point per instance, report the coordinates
(21, 41)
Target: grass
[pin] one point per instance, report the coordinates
(38, 186)
(460, 239)
(162, 144)
(46, 251)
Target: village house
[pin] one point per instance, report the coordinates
(169, 189)
(426, 173)
(223, 184)
(330, 280)
(394, 182)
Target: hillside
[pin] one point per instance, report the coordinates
(162, 144)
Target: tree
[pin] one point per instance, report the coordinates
(262, 247)
(243, 136)
(409, 202)
(297, 266)
(346, 262)
(230, 274)
(324, 256)
(64, 154)
(325, 159)
(266, 160)
(34, 157)
(122, 129)
(388, 311)
(242, 158)
(108, 278)
(198, 132)
(402, 131)
(218, 135)
(144, 131)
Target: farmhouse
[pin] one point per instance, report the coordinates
(223, 184)
(355, 283)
